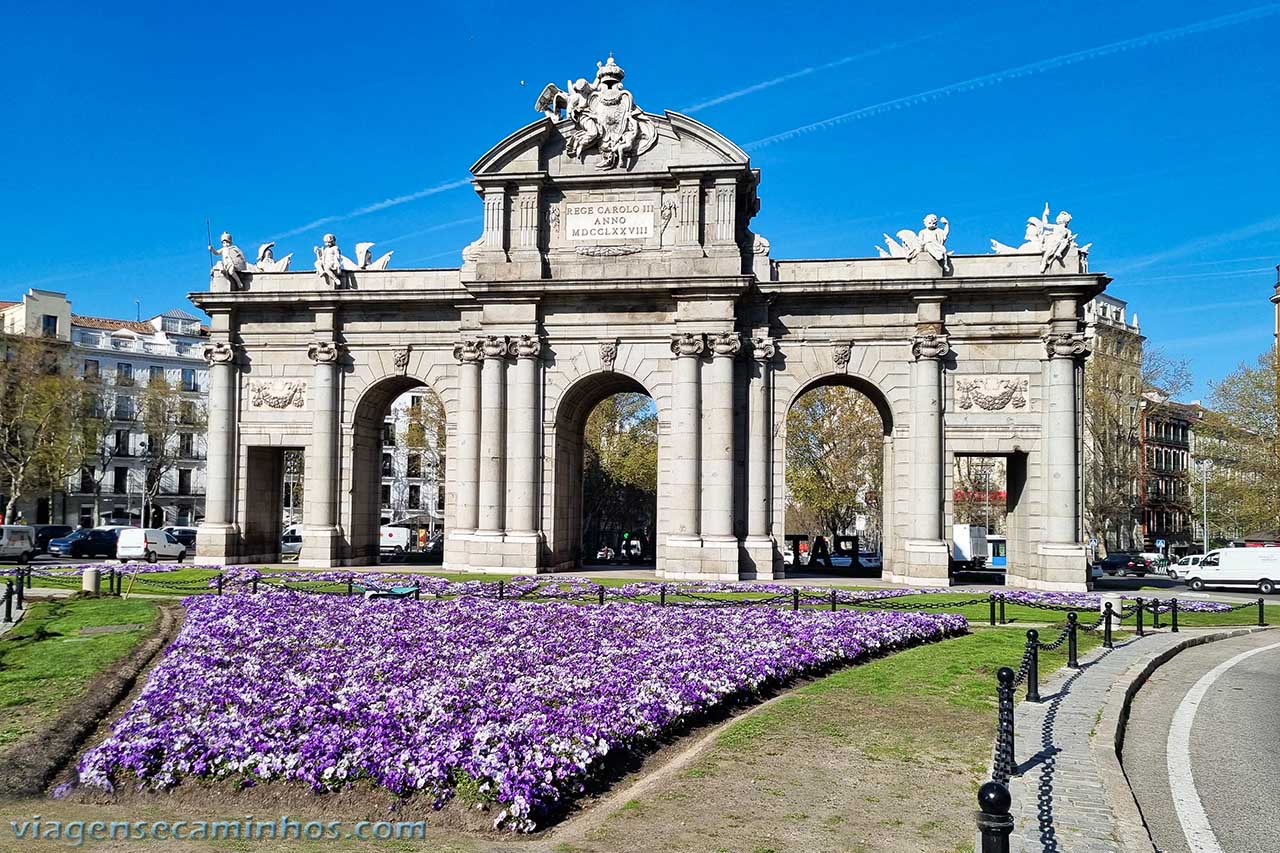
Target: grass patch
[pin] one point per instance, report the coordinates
(45, 660)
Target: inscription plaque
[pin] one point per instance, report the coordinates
(591, 221)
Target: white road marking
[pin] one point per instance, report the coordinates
(1186, 799)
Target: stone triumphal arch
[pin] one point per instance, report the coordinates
(617, 255)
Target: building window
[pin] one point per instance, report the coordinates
(49, 326)
(415, 404)
(414, 467)
(388, 433)
(189, 379)
(120, 481)
(386, 464)
(86, 480)
(92, 370)
(184, 481)
(186, 412)
(86, 515)
(187, 445)
(415, 497)
(386, 495)
(184, 515)
(122, 443)
(124, 374)
(155, 375)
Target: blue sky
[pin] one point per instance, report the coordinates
(1153, 123)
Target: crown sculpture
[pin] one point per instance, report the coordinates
(604, 115)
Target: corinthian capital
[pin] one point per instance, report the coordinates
(219, 352)
(325, 352)
(1065, 345)
(527, 346)
(930, 346)
(467, 351)
(726, 344)
(494, 346)
(687, 345)
(763, 349)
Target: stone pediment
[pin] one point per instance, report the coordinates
(682, 144)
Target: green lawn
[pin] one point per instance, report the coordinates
(46, 660)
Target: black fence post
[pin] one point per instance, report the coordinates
(994, 821)
(1155, 613)
(833, 601)
(1033, 665)
(350, 584)
(8, 601)
(417, 591)
(1141, 633)
(1003, 620)
(1072, 654)
(600, 593)
(1262, 616)
(254, 586)
(28, 578)
(219, 583)
(992, 596)
(662, 595)
(1004, 724)
(1107, 613)
(502, 590)
(1173, 615)
(18, 589)
(795, 599)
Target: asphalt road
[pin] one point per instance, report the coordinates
(1202, 748)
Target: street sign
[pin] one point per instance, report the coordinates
(1160, 543)
(1093, 543)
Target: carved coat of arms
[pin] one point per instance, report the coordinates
(604, 115)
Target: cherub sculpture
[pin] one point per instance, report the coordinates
(231, 260)
(931, 240)
(329, 261)
(1051, 241)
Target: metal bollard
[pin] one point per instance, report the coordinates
(1173, 615)
(795, 599)
(1155, 613)
(601, 593)
(1107, 613)
(1033, 666)
(18, 589)
(662, 595)
(254, 586)
(1004, 723)
(1262, 616)
(992, 597)
(8, 601)
(994, 821)
(502, 589)
(28, 578)
(1072, 626)
(1141, 633)
(417, 591)
(220, 583)
(833, 601)
(1003, 620)
(350, 584)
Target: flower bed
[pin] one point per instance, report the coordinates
(519, 701)
(1093, 601)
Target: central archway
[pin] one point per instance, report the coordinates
(576, 406)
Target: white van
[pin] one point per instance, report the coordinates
(393, 540)
(1258, 568)
(135, 543)
(17, 542)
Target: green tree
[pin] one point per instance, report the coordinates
(835, 459)
(620, 471)
(1240, 439)
(40, 400)
(165, 412)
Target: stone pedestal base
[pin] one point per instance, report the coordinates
(760, 560)
(926, 564)
(457, 550)
(321, 548)
(685, 559)
(1057, 567)
(517, 553)
(217, 544)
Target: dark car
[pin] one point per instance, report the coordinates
(1123, 564)
(45, 533)
(86, 543)
(185, 535)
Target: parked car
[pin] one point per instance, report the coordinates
(788, 557)
(1123, 564)
(17, 542)
(1156, 562)
(393, 541)
(869, 561)
(46, 533)
(185, 535)
(291, 544)
(605, 553)
(137, 543)
(434, 546)
(1095, 572)
(1257, 568)
(97, 542)
(1183, 567)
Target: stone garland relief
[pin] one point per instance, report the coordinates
(992, 393)
(278, 394)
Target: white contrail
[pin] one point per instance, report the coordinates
(373, 208)
(1029, 69)
(803, 72)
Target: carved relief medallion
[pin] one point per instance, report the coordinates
(608, 354)
(841, 353)
(278, 394)
(992, 393)
(402, 359)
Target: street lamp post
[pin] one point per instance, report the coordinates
(1204, 500)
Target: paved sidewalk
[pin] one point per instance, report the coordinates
(1059, 803)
